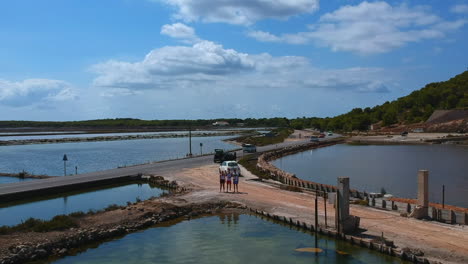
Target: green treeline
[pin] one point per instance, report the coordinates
(413, 108)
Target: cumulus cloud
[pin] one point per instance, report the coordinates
(460, 9)
(370, 28)
(180, 31)
(242, 12)
(207, 65)
(35, 91)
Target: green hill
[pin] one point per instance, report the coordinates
(413, 108)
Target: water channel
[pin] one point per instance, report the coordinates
(96, 156)
(394, 168)
(224, 239)
(94, 199)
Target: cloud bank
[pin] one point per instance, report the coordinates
(369, 28)
(241, 12)
(35, 91)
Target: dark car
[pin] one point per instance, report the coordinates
(404, 133)
(314, 139)
(249, 148)
(221, 155)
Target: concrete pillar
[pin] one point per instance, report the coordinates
(423, 191)
(343, 187)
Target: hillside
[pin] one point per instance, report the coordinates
(414, 108)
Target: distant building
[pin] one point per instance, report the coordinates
(375, 126)
(220, 123)
(240, 124)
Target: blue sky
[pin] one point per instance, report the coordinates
(189, 59)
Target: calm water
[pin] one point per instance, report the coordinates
(96, 156)
(74, 202)
(12, 179)
(392, 167)
(223, 239)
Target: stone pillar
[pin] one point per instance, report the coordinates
(343, 187)
(423, 191)
(346, 223)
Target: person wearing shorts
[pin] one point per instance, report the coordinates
(228, 180)
(222, 179)
(236, 182)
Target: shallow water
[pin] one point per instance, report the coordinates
(96, 199)
(224, 239)
(96, 156)
(394, 168)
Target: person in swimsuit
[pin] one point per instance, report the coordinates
(236, 182)
(222, 179)
(228, 180)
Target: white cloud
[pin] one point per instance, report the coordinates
(263, 36)
(180, 31)
(460, 9)
(35, 91)
(209, 66)
(370, 28)
(242, 12)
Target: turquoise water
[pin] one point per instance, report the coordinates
(224, 239)
(96, 156)
(97, 199)
(393, 167)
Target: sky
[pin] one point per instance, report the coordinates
(205, 59)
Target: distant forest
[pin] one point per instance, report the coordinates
(413, 108)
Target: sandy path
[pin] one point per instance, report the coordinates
(442, 242)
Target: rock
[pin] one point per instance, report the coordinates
(63, 251)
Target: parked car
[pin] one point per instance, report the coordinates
(314, 139)
(221, 155)
(404, 133)
(232, 165)
(249, 148)
(330, 134)
(322, 135)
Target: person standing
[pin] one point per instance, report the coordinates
(236, 182)
(222, 179)
(228, 180)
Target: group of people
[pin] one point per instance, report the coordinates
(227, 178)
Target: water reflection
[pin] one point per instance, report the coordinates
(94, 199)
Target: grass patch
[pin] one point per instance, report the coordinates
(250, 163)
(59, 222)
(280, 135)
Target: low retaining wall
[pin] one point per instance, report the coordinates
(455, 215)
(290, 179)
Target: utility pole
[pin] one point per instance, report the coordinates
(65, 158)
(443, 196)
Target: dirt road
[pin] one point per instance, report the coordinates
(440, 242)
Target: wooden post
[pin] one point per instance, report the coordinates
(325, 206)
(316, 218)
(337, 212)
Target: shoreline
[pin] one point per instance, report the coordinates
(108, 138)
